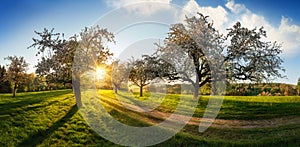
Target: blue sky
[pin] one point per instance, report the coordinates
(19, 18)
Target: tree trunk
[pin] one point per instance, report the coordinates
(77, 91)
(141, 91)
(196, 86)
(196, 92)
(15, 90)
(116, 90)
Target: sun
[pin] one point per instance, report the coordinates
(100, 73)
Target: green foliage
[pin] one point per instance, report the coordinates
(143, 71)
(298, 86)
(243, 55)
(249, 57)
(16, 73)
(262, 89)
(4, 83)
(55, 63)
(191, 48)
(119, 74)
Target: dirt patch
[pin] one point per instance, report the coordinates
(218, 123)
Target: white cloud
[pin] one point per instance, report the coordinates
(218, 13)
(289, 34)
(235, 8)
(286, 33)
(121, 3)
(223, 17)
(141, 7)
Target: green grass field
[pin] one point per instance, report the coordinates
(51, 118)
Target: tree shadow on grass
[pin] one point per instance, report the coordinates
(40, 136)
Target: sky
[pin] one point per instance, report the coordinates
(20, 18)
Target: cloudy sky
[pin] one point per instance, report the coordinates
(19, 18)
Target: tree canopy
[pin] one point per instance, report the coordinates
(248, 57)
(62, 59)
(16, 73)
(202, 55)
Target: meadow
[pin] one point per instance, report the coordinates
(51, 118)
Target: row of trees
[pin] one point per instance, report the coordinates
(262, 89)
(193, 51)
(197, 53)
(15, 78)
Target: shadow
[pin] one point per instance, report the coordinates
(17, 107)
(134, 102)
(22, 102)
(40, 136)
(251, 110)
(42, 94)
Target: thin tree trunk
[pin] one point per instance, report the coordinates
(196, 86)
(15, 90)
(196, 92)
(77, 91)
(141, 91)
(116, 90)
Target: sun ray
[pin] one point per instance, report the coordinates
(100, 73)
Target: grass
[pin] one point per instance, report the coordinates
(51, 118)
(233, 107)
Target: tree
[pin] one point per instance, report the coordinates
(298, 86)
(247, 57)
(200, 54)
(189, 48)
(142, 71)
(4, 84)
(56, 56)
(89, 54)
(16, 72)
(63, 59)
(28, 82)
(120, 73)
(141, 74)
(39, 83)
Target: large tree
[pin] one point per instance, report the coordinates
(63, 59)
(89, 54)
(56, 56)
(190, 48)
(200, 54)
(16, 72)
(249, 57)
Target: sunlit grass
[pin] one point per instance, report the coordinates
(233, 107)
(51, 118)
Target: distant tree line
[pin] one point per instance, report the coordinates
(262, 89)
(14, 78)
(4, 84)
(29, 83)
(240, 89)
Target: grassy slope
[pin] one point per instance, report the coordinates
(52, 118)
